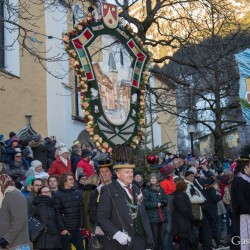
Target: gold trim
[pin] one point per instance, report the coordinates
(120, 166)
(242, 159)
(105, 165)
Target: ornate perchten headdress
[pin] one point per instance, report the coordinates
(123, 157)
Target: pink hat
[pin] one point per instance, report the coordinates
(14, 139)
(203, 161)
(233, 165)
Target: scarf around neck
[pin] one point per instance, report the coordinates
(245, 177)
(6, 185)
(155, 186)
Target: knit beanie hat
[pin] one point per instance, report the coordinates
(188, 173)
(86, 153)
(14, 139)
(35, 164)
(76, 142)
(83, 174)
(193, 169)
(37, 137)
(167, 169)
(29, 179)
(62, 148)
(154, 175)
(11, 134)
(203, 161)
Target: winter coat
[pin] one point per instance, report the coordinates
(18, 170)
(93, 206)
(194, 193)
(40, 151)
(45, 213)
(41, 175)
(58, 167)
(74, 158)
(10, 152)
(29, 198)
(3, 153)
(51, 156)
(68, 204)
(196, 199)
(94, 200)
(151, 198)
(183, 217)
(140, 185)
(14, 219)
(210, 205)
(168, 185)
(240, 196)
(113, 199)
(85, 167)
(86, 196)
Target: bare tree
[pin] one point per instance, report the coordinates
(177, 23)
(206, 33)
(207, 81)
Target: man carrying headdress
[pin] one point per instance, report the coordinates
(121, 213)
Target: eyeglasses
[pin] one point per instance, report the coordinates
(46, 192)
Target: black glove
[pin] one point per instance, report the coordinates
(3, 243)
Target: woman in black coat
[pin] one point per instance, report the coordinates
(240, 197)
(155, 201)
(183, 216)
(45, 213)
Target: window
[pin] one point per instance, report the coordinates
(9, 51)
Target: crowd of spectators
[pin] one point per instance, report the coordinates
(62, 187)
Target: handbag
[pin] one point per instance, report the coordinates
(95, 242)
(36, 228)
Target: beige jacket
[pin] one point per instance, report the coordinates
(14, 219)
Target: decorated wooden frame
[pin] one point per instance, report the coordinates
(111, 66)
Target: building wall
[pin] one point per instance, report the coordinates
(232, 139)
(206, 146)
(25, 93)
(60, 106)
(34, 91)
(166, 126)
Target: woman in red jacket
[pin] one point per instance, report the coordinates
(62, 163)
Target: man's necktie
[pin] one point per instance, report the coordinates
(129, 189)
